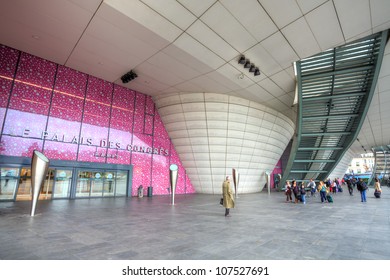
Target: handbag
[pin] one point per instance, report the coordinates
(221, 201)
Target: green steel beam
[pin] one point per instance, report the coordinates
(308, 171)
(337, 72)
(314, 160)
(336, 133)
(341, 76)
(384, 38)
(336, 96)
(319, 148)
(337, 116)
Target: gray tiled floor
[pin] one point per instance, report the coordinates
(262, 226)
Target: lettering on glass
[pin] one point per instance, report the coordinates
(102, 143)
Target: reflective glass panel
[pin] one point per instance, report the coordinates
(83, 187)
(121, 183)
(63, 180)
(8, 183)
(97, 182)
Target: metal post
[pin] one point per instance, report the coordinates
(39, 167)
(173, 179)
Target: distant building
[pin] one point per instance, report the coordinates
(361, 165)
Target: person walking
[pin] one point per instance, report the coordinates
(322, 189)
(288, 191)
(350, 186)
(295, 190)
(378, 190)
(312, 186)
(228, 200)
(362, 188)
(303, 193)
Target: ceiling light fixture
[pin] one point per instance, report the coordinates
(129, 76)
(248, 65)
(242, 60)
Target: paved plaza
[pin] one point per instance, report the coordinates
(262, 227)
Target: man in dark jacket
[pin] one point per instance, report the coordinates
(349, 185)
(362, 188)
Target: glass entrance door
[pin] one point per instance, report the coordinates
(63, 182)
(24, 188)
(101, 183)
(47, 188)
(56, 185)
(16, 183)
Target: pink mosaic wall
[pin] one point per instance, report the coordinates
(69, 115)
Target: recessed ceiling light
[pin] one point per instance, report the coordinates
(36, 37)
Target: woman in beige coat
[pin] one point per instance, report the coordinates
(228, 200)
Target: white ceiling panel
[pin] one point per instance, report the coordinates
(284, 81)
(384, 99)
(188, 86)
(234, 75)
(271, 87)
(145, 84)
(252, 16)
(146, 17)
(173, 11)
(35, 41)
(222, 22)
(353, 21)
(215, 43)
(261, 94)
(380, 11)
(307, 6)
(224, 84)
(282, 13)
(262, 58)
(324, 23)
(199, 51)
(166, 62)
(111, 41)
(301, 38)
(385, 68)
(160, 74)
(187, 59)
(127, 28)
(197, 7)
(85, 61)
(278, 47)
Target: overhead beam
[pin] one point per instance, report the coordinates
(308, 171)
(335, 96)
(336, 133)
(319, 148)
(314, 160)
(337, 116)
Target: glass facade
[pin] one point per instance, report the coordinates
(8, 183)
(71, 116)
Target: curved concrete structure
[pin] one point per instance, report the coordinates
(214, 133)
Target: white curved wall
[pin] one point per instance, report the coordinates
(214, 133)
(342, 167)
